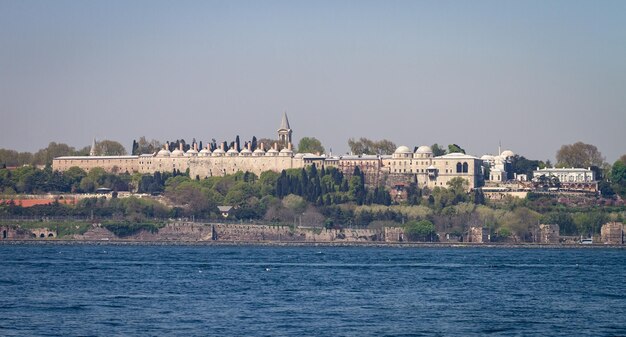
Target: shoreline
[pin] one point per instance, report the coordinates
(399, 245)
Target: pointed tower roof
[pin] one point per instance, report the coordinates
(284, 124)
(92, 152)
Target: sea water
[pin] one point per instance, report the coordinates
(105, 290)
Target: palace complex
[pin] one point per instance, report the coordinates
(403, 168)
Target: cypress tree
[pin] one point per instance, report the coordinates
(135, 148)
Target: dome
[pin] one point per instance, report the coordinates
(271, 152)
(487, 157)
(204, 153)
(507, 154)
(258, 152)
(403, 149)
(191, 153)
(232, 152)
(177, 153)
(218, 152)
(163, 153)
(424, 149)
(286, 152)
(245, 152)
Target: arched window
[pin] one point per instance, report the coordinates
(459, 168)
(465, 167)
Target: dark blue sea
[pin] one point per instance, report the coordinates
(108, 290)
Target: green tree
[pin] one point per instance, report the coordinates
(110, 148)
(438, 150)
(14, 158)
(295, 203)
(522, 165)
(589, 223)
(253, 143)
(579, 154)
(145, 146)
(618, 177)
(368, 146)
(74, 176)
(458, 185)
(423, 230)
(134, 148)
(520, 221)
(563, 219)
(453, 148)
(310, 145)
(45, 156)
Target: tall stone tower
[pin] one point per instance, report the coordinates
(284, 132)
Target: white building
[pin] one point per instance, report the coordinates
(570, 178)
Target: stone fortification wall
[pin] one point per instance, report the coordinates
(184, 231)
(176, 232)
(612, 233)
(394, 179)
(112, 164)
(393, 234)
(44, 233)
(478, 234)
(219, 166)
(259, 233)
(180, 231)
(200, 166)
(96, 232)
(501, 195)
(163, 164)
(251, 233)
(549, 233)
(14, 233)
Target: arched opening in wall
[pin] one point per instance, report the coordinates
(459, 168)
(465, 167)
(51, 235)
(4, 234)
(42, 235)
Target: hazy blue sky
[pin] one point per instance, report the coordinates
(532, 74)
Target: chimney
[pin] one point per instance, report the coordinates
(262, 146)
(195, 146)
(249, 147)
(180, 146)
(289, 146)
(222, 146)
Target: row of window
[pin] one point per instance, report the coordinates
(571, 178)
